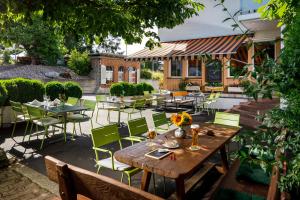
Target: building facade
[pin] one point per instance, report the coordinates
(183, 47)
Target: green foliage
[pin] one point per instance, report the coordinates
(39, 38)
(182, 84)
(80, 62)
(129, 89)
(6, 57)
(157, 76)
(73, 89)
(214, 84)
(24, 90)
(3, 94)
(146, 74)
(86, 22)
(54, 88)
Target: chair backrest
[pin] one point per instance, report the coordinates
(75, 181)
(159, 119)
(35, 112)
(211, 96)
(147, 94)
(72, 101)
(180, 94)
(217, 95)
(89, 104)
(139, 103)
(100, 98)
(229, 119)
(105, 135)
(16, 106)
(137, 127)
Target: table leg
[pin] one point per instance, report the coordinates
(65, 127)
(224, 159)
(180, 190)
(145, 182)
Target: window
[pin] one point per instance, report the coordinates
(267, 48)
(238, 61)
(176, 68)
(121, 74)
(132, 75)
(194, 68)
(109, 74)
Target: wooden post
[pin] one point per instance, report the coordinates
(250, 57)
(66, 190)
(166, 73)
(203, 71)
(184, 68)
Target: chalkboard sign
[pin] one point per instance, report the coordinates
(214, 71)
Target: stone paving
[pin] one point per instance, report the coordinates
(78, 152)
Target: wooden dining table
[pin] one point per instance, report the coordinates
(186, 162)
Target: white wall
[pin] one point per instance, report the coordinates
(207, 24)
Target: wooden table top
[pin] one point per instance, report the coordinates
(187, 161)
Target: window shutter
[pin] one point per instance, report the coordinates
(103, 74)
(138, 75)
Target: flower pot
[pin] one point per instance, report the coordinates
(182, 131)
(236, 89)
(214, 89)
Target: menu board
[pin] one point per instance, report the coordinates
(213, 73)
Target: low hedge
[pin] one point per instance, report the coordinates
(24, 90)
(129, 89)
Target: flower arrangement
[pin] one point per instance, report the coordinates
(181, 119)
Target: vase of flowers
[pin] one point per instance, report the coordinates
(183, 121)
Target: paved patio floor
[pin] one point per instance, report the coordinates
(79, 151)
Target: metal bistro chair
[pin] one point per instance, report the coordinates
(214, 101)
(20, 114)
(74, 118)
(148, 97)
(39, 118)
(136, 107)
(161, 122)
(103, 105)
(206, 105)
(138, 129)
(106, 135)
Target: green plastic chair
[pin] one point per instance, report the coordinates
(229, 119)
(148, 97)
(214, 101)
(72, 101)
(38, 117)
(137, 107)
(20, 114)
(102, 105)
(161, 122)
(138, 129)
(106, 135)
(207, 104)
(82, 117)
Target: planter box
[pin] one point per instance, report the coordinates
(6, 117)
(214, 89)
(235, 89)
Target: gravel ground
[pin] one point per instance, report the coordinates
(35, 72)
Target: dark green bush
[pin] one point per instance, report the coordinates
(146, 74)
(24, 90)
(54, 88)
(80, 62)
(116, 89)
(129, 89)
(3, 94)
(73, 89)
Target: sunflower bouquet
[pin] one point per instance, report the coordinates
(181, 119)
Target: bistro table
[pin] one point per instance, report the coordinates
(119, 103)
(61, 110)
(187, 162)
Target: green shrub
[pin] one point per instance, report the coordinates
(157, 75)
(6, 57)
(79, 62)
(3, 94)
(139, 89)
(24, 90)
(146, 74)
(147, 87)
(54, 88)
(116, 89)
(73, 89)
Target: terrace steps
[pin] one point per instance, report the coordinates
(249, 110)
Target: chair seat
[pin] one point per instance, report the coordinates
(22, 117)
(136, 138)
(47, 121)
(78, 118)
(118, 165)
(130, 110)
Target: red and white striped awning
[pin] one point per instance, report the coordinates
(193, 47)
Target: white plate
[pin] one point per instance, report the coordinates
(171, 147)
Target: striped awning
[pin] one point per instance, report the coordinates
(193, 47)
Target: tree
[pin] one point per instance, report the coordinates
(97, 19)
(110, 45)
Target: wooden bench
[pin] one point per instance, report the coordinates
(229, 181)
(76, 183)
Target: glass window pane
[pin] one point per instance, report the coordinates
(109, 74)
(176, 68)
(194, 68)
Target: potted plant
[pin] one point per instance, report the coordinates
(235, 88)
(182, 121)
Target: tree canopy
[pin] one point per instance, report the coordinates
(95, 20)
